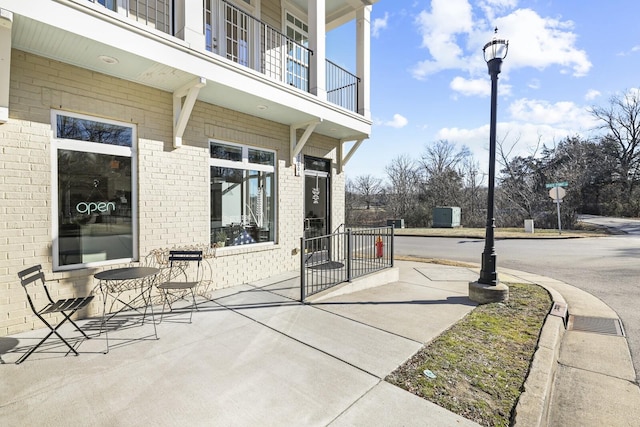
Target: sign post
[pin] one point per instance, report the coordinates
(557, 193)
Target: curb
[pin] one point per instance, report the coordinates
(533, 405)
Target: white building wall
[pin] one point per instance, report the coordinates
(173, 183)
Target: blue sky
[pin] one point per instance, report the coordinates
(430, 80)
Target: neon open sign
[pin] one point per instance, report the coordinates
(92, 207)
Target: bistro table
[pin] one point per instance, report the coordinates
(115, 282)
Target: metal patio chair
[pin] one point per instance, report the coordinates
(67, 307)
(181, 265)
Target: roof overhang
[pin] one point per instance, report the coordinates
(89, 38)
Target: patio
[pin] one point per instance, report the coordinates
(253, 355)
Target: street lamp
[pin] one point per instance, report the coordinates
(487, 288)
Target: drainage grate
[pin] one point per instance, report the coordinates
(598, 325)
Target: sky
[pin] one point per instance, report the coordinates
(430, 82)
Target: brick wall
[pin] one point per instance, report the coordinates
(173, 206)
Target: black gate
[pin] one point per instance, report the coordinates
(335, 258)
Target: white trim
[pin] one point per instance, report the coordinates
(293, 9)
(245, 165)
(91, 147)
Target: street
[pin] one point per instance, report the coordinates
(606, 267)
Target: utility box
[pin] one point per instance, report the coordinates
(397, 223)
(446, 217)
(528, 226)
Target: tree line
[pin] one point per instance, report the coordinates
(603, 176)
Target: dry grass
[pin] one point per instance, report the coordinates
(482, 362)
(500, 233)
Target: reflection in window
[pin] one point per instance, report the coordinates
(89, 130)
(242, 196)
(94, 196)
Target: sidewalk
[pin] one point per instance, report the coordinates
(255, 356)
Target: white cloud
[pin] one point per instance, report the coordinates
(633, 50)
(471, 87)
(563, 114)
(592, 94)
(516, 138)
(540, 42)
(398, 122)
(477, 87)
(530, 122)
(454, 37)
(379, 24)
(440, 30)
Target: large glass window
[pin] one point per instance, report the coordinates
(94, 197)
(242, 194)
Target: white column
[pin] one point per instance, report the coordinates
(6, 22)
(317, 43)
(189, 19)
(363, 65)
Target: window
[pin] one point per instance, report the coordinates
(297, 54)
(242, 194)
(154, 13)
(94, 193)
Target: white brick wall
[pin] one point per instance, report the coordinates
(173, 183)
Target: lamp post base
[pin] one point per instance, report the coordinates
(485, 294)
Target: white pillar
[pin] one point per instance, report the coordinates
(363, 65)
(6, 22)
(317, 43)
(189, 19)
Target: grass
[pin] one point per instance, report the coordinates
(482, 361)
(511, 233)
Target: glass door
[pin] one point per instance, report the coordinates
(316, 218)
(317, 209)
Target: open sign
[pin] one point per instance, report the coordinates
(91, 207)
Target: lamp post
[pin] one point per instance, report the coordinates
(487, 288)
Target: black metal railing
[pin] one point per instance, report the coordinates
(248, 41)
(342, 87)
(340, 257)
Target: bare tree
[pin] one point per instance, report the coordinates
(402, 194)
(368, 188)
(621, 122)
(473, 202)
(443, 156)
(442, 165)
(519, 183)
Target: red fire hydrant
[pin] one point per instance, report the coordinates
(379, 247)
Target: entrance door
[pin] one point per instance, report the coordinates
(316, 197)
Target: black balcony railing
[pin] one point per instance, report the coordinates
(246, 40)
(342, 87)
(327, 261)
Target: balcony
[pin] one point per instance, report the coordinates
(250, 42)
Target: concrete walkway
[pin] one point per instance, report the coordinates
(255, 356)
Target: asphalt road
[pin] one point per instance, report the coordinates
(607, 267)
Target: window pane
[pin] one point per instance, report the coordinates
(94, 207)
(226, 152)
(242, 206)
(261, 157)
(314, 164)
(88, 130)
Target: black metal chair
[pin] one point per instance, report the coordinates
(66, 307)
(172, 289)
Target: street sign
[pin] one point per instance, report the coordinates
(557, 193)
(557, 184)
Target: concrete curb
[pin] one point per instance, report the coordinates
(532, 408)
